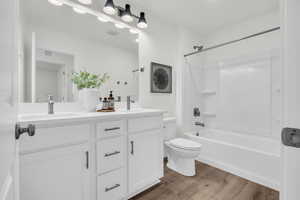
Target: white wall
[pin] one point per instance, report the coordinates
(167, 44)
(253, 45)
(159, 43)
(93, 57)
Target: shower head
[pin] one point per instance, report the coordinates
(198, 48)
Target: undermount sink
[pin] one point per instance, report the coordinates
(42, 116)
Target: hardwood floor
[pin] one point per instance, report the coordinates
(209, 184)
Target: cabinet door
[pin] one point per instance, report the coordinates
(145, 160)
(58, 174)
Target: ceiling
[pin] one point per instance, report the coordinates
(63, 19)
(205, 16)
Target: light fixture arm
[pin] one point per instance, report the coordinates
(121, 9)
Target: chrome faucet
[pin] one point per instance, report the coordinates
(200, 124)
(50, 105)
(129, 101)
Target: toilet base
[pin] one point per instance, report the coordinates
(184, 166)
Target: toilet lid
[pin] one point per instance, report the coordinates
(185, 144)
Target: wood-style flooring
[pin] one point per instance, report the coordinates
(209, 184)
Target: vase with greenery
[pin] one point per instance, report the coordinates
(88, 85)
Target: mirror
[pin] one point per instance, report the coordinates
(57, 42)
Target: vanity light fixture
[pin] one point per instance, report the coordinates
(79, 9)
(142, 21)
(55, 2)
(109, 7)
(120, 26)
(102, 19)
(133, 31)
(126, 15)
(87, 2)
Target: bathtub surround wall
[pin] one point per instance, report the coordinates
(262, 85)
(188, 81)
(212, 80)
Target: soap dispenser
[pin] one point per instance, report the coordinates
(111, 101)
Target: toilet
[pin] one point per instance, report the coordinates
(181, 152)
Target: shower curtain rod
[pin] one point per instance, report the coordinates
(233, 41)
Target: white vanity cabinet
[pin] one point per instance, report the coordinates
(145, 145)
(55, 166)
(55, 174)
(92, 159)
(111, 160)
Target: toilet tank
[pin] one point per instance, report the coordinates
(169, 129)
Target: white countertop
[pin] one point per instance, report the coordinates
(63, 117)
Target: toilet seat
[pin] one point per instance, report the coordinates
(182, 143)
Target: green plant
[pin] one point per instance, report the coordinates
(84, 79)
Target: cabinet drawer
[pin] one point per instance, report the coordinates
(111, 186)
(110, 154)
(56, 136)
(110, 128)
(145, 123)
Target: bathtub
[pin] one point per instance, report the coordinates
(253, 158)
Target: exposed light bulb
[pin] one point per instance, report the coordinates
(109, 7)
(137, 40)
(120, 26)
(85, 1)
(102, 19)
(79, 10)
(126, 15)
(109, 10)
(127, 18)
(142, 21)
(55, 2)
(133, 31)
(142, 25)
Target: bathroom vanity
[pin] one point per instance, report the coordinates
(83, 156)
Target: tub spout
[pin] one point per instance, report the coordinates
(200, 124)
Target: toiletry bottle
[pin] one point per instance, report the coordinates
(111, 101)
(100, 104)
(105, 104)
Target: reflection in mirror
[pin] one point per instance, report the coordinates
(53, 71)
(56, 42)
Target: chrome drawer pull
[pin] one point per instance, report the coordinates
(112, 129)
(132, 147)
(112, 154)
(111, 188)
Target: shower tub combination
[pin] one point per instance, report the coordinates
(253, 158)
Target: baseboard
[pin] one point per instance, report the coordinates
(241, 173)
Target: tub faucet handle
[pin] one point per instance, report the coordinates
(196, 112)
